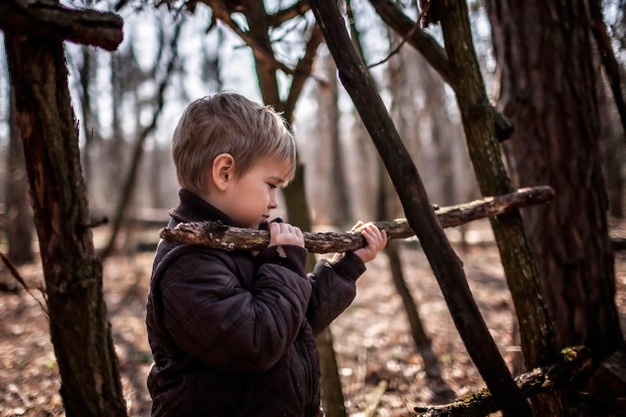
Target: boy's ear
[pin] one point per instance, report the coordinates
(222, 172)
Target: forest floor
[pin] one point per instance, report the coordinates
(372, 338)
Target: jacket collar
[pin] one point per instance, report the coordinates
(192, 208)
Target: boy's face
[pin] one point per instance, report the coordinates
(249, 198)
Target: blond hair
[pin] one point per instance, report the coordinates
(228, 123)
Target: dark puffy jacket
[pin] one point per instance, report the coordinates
(233, 334)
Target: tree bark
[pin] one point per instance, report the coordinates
(548, 88)
(571, 363)
(90, 379)
(458, 65)
(44, 19)
(535, 324)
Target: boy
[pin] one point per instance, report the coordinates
(232, 333)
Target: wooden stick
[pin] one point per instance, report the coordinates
(219, 236)
(572, 361)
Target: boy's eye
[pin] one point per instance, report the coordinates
(272, 185)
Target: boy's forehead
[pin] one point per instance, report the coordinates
(277, 168)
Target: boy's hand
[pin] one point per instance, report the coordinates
(376, 240)
(285, 234)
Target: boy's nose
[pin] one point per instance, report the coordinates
(273, 200)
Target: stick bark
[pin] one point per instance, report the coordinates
(219, 236)
(573, 360)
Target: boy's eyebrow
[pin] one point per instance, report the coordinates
(277, 179)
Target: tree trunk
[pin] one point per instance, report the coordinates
(536, 326)
(446, 265)
(298, 211)
(128, 187)
(329, 190)
(340, 210)
(458, 66)
(548, 89)
(403, 93)
(19, 214)
(90, 379)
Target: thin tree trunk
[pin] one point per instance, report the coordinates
(327, 179)
(332, 393)
(403, 95)
(298, 211)
(340, 210)
(536, 326)
(81, 336)
(458, 66)
(138, 149)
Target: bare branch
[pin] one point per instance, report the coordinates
(281, 16)
(16, 274)
(428, 46)
(261, 53)
(303, 71)
(411, 32)
(220, 236)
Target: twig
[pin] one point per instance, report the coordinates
(395, 50)
(16, 274)
(375, 398)
(220, 236)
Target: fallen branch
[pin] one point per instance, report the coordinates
(573, 360)
(219, 236)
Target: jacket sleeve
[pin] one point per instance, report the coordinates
(334, 288)
(212, 317)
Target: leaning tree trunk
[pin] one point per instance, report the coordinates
(90, 379)
(409, 186)
(458, 66)
(548, 89)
